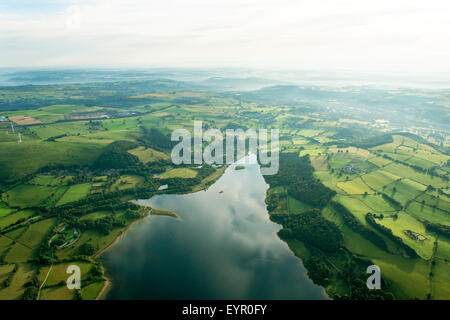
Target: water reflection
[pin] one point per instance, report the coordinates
(223, 247)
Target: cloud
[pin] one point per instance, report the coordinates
(350, 34)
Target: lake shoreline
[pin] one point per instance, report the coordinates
(108, 283)
(102, 294)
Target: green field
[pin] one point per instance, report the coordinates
(5, 243)
(408, 276)
(179, 173)
(36, 233)
(91, 291)
(57, 293)
(296, 206)
(356, 186)
(404, 190)
(127, 182)
(16, 289)
(19, 254)
(25, 196)
(379, 161)
(378, 179)
(48, 180)
(75, 193)
(5, 210)
(338, 163)
(405, 222)
(441, 279)
(425, 212)
(17, 160)
(58, 273)
(355, 205)
(376, 203)
(439, 201)
(407, 172)
(15, 217)
(98, 240)
(147, 155)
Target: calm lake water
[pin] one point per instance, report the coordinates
(223, 247)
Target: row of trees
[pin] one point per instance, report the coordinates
(354, 224)
(388, 232)
(397, 205)
(438, 228)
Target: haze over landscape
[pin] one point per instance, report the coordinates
(376, 36)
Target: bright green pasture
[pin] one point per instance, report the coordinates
(146, 155)
(75, 193)
(355, 206)
(379, 178)
(407, 172)
(376, 203)
(438, 201)
(355, 186)
(425, 212)
(27, 195)
(338, 163)
(407, 222)
(13, 218)
(57, 129)
(404, 190)
(179, 173)
(408, 277)
(380, 161)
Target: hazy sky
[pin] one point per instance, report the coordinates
(359, 35)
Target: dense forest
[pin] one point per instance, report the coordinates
(311, 228)
(296, 173)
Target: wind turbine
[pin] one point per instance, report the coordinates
(20, 137)
(12, 127)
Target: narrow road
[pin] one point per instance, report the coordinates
(46, 277)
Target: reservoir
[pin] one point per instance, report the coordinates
(223, 247)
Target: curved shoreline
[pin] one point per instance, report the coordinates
(102, 294)
(204, 185)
